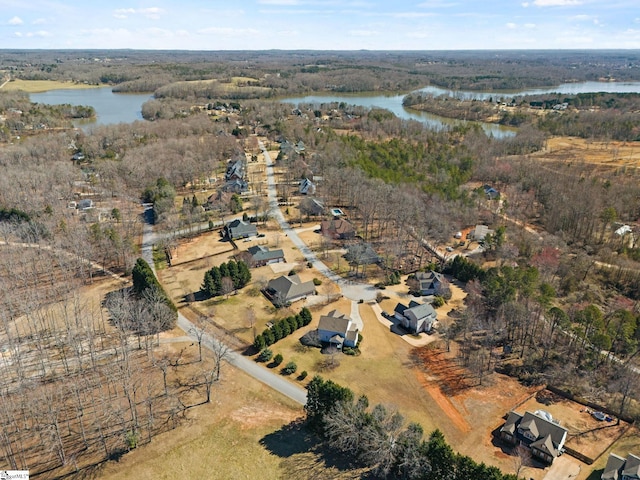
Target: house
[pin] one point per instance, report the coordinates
(235, 186)
(416, 317)
(219, 201)
(428, 282)
(288, 289)
(307, 187)
(538, 431)
(337, 228)
(235, 170)
(480, 232)
(491, 192)
(85, 204)
(619, 468)
(239, 229)
(311, 206)
(337, 329)
(261, 256)
(361, 254)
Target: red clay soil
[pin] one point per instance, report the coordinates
(442, 378)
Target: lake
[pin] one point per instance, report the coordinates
(126, 107)
(110, 107)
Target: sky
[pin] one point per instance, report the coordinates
(320, 24)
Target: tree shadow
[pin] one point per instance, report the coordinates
(295, 439)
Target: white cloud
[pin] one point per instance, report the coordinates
(18, 34)
(556, 3)
(40, 34)
(16, 21)
(512, 25)
(39, 21)
(529, 25)
(152, 13)
(525, 4)
(363, 33)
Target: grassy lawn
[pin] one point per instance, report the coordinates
(37, 86)
(374, 373)
(217, 439)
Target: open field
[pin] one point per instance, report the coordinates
(37, 86)
(226, 439)
(603, 154)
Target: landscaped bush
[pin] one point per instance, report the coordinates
(317, 281)
(302, 375)
(265, 355)
(290, 368)
(437, 302)
(277, 360)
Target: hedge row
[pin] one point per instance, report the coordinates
(283, 328)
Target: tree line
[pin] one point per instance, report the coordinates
(282, 329)
(377, 437)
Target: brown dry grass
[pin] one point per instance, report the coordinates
(602, 154)
(37, 86)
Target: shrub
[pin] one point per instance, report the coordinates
(265, 355)
(277, 360)
(310, 265)
(303, 375)
(317, 281)
(290, 368)
(259, 343)
(438, 301)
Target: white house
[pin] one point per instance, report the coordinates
(337, 329)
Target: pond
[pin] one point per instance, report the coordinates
(110, 107)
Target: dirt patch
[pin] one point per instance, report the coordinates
(442, 370)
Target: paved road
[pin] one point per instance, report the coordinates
(275, 381)
(354, 291)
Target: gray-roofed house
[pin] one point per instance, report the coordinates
(307, 187)
(239, 229)
(311, 206)
(361, 254)
(235, 170)
(261, 256)
(631, 468)
(543, 436)
(480, 232)
(614, 468)
(337, 329)
(417, 317)
(428, 282)
(235, 186)
(287, 289)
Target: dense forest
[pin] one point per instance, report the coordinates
(283, 72)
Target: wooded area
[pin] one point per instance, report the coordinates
(553, 296)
